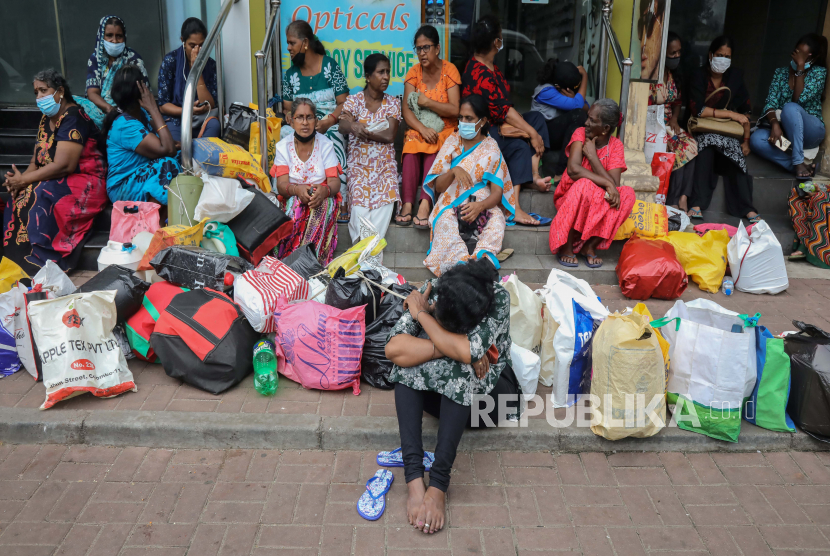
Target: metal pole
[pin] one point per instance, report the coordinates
(220, 83)
(278, 54)
(261, 83)
(663, 40)
(603, 48)
(626, 80)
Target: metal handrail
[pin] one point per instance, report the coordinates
(262, 89)
(609, 39)
(193, 79)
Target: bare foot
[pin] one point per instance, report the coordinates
(415, 501)
(524, 218)
(433, 507)
(683, 203)
(803, 171)
(541, 184)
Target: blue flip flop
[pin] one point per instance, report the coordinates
(543, 220)
(395, 459)
(372, 503)
(569, 265)
(590, 264)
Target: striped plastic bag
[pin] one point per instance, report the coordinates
(257, 292)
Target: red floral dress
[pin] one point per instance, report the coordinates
(581, 205)
(478, 79)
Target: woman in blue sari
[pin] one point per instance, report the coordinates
(470, 188)
(173, 77)
(111, 54)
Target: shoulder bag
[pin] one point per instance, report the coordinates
(721, 126)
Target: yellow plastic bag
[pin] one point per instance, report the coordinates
(525, 314)
(349, 259)
(547, 353)
(628, 374)
(10, 273)
(218, 158)
(641, 309)
(703, 258)
(172, 235)
(274, 125)
(646, 219)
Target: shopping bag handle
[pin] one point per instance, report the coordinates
(664, 321)
(752, 321)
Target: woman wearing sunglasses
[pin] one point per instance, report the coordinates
(650, 31)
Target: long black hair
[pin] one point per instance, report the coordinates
(126, 94)
(480, 109)
(465, 295)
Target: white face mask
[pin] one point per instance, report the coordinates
(719, 64)
(502, 45)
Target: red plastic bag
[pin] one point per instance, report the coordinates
(649, 268)
(661, 167)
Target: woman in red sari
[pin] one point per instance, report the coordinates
(590, 203)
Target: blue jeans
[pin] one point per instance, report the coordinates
(804, 130)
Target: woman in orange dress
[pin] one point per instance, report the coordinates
(438, 84)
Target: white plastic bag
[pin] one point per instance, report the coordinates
(23, 330)
(222, 199)
(525, 314)
(77, 348)
(656, 138)
(526, 367)
(9, 359)
(577, 312)
(685, 221)
(756, 260)
(53, 279)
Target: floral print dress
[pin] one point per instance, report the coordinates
(683, 145)
(451, 378)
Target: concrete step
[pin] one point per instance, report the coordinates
(771, 189)
(18, 141)
(20, 117)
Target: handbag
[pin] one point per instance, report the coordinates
(721, 126)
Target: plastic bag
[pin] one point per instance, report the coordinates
(24, 340)
(703, 258)
(169, 236)
(195, 268)
(577, 311)
(79, 352)
(661, 167)
(260, 227)
(809, 403)
(649, 268)
(656, 138)
(665, 347)
(350, 260)
(322, 345)
(274, 126)
(129, 289)
(222, 199)
(680, 217)
(526, 366)
(219, 238)
(256, 292)
(756, 260)
(628, 374)
(767, 406)
(52, 278)
(10, 272)
(130, 218)
(345, 292)
(238, 129)
(218, 158)
(304, 262)
(525, 315)
(9, 359)
(646, 220)
(374, 365)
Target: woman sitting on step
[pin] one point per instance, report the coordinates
(590, 203)
(451, 344)
(308, 181)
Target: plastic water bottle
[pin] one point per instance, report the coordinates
(727, 286)
(265, 368)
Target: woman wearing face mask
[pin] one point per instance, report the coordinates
(308, 180)
(173, 74)
(680, 143)
(111, 54)
(797, 92)
(371, 119)
(523, 139)
(468, 181)
(705, 100)
(317, 77)
(590, 203)
(56, 198)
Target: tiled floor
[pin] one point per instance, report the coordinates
(93, 501)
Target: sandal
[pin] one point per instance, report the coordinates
(568, 264)
(504, 255)
(589, 258)
(372, 502)
(344, 218)
(395, 459)
(420, 223)
(695, 213)
(755, 219)
(404, 222)
(799, 257)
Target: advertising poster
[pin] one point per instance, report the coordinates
(647, 38)
(352, 31)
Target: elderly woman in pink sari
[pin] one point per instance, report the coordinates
(471, 189)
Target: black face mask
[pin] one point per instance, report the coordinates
(305, 139)
(298, 59)
(672, 63)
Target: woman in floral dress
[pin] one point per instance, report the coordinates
(450, 349)
(373, 173)
(317, 77)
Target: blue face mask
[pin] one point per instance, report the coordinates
(795, 66)
(467, 130)
(48, 105)
(114, 49)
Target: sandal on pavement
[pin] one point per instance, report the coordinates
(395, 459)
(799, 257)
(372, 503)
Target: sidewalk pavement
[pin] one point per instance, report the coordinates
(93, 501)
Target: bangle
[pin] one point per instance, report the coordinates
(162, 127)
(327, 189)
(418, 314)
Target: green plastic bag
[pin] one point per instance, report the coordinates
(767, 406)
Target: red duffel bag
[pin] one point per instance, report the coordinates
(649, 268)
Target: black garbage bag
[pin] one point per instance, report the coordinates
(374, 365)
(304, 261)
(194, 268)
(809, 403)
(345, 292)
(238, 130)
(674, 223)
(129, 289)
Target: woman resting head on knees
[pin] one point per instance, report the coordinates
(437, 84)
(139, 144)
(521, 138)
(708, 99)
(451, 344)
(308, 180)
(682, 144)
(371, 119)
(110, 55)
(471, 188)
(56, 198)
(797, 91)
(317, 77)
(590, 203)
(173, 73)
